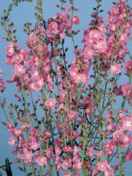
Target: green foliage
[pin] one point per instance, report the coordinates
(39, 11)
(6, 23)
(27, 27)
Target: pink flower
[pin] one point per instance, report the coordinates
(33, 132)
(23, 54)
(12, 141)
(88, 105)
(88, 53)
(75, 20)
(117, 135)
(67, 163)
(17, 132)
(32, 40)
(72, 115)
(128, 66)
(34, 144)
(121, 138)
(50, 103)
(104, 167)
(109, 147)
(95, 39)
(37, 86)
(99, 153)
(126, 140)
(119, 19)
(10, 126)
(58, 150)
(47, 134)
(115, 69)
(126, 123)
(53, 27)
(49, 82)
(81, 78)
(77, 164)
(41, 160)
(11, 49)
(67, 174)
(25, 155)
(67, 149)
(76, 150)
(19, 69)
(127, 90)
(73, 71)
(25, 125)
(48, 152)
(128, 156)
(90, 152)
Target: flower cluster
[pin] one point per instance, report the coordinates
(119, 28)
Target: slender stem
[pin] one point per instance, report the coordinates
(39, 11)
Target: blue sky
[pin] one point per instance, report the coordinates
(25, 13)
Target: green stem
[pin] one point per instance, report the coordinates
(39, 11)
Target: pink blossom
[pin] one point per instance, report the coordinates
(88, 53)
(47, 134)
(118, 134)
(53, 27)
(34, 144)
(128, 156)
(67, 163)
(81, 77)
(109, 147)
(99, 154)
(32, 39)
(67, 149)
(33, 132)
(11, 49)
(50, 103)
(90, 152)
(104, 167)
(48, 152)
(73, 71)
(72, 115)
(121, 138)
(77, 164)
(115, 69)
(127, 90)
(17, 132)
(25, 155)
(12, 141)
(126, 123)
(41, 160)
(58, 150)
(37, 86)
(67, 174)
(19, 69)
(96, 40)
(128, 66)
(75, 20)
(119, 20)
